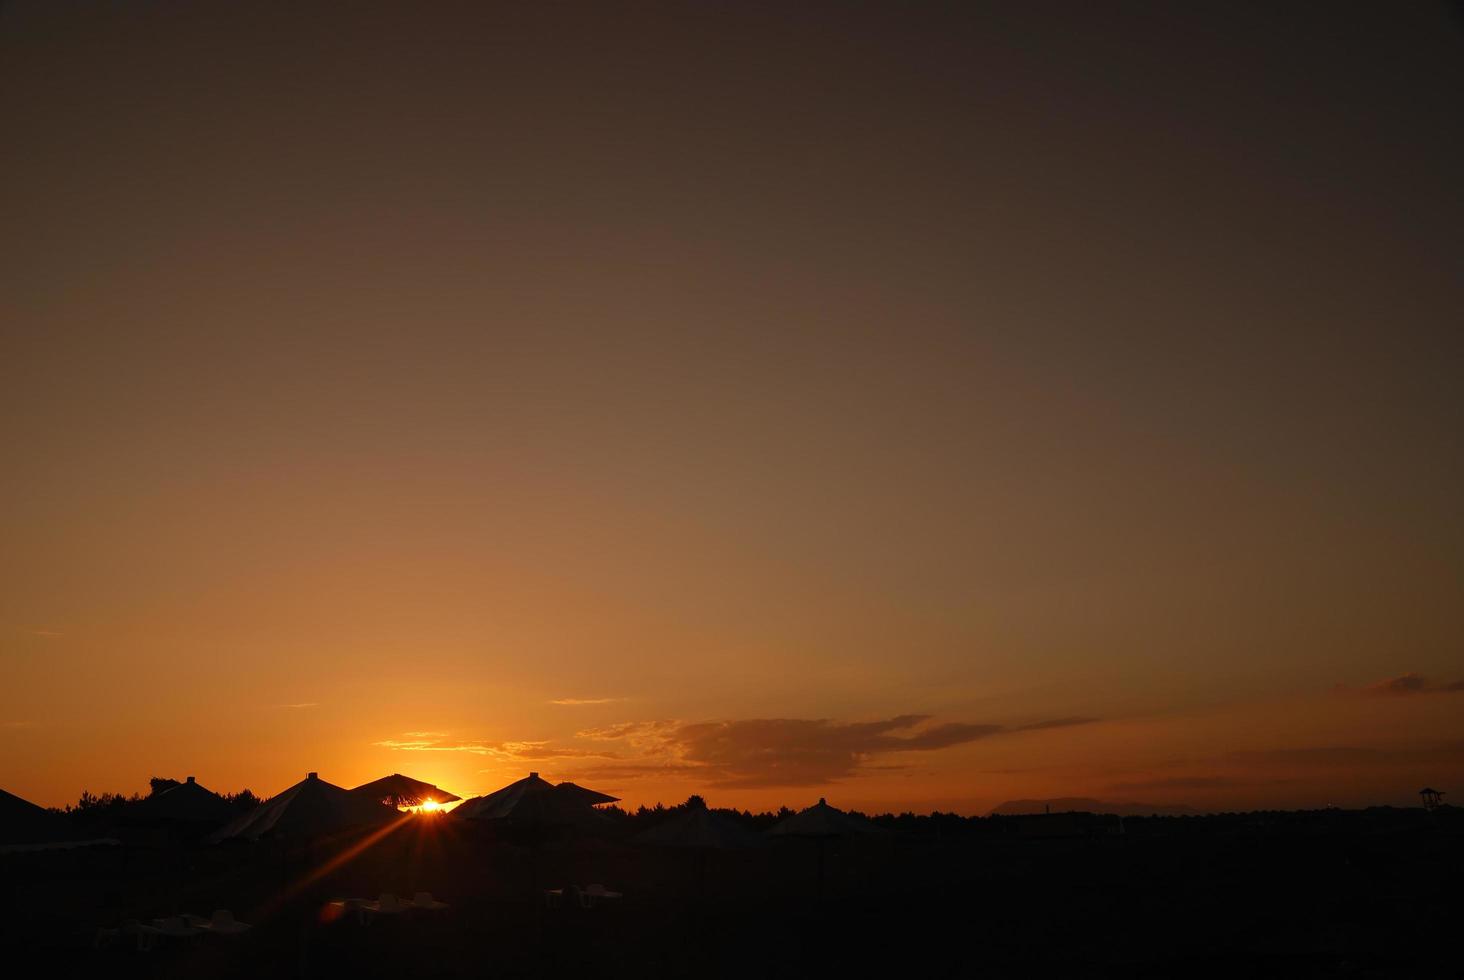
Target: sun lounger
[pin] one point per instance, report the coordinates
(174, 927)
(387, 904)
(425, 902)
(223, 923)
(146, 936)
(349, 906)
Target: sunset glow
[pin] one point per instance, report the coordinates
(927, 410)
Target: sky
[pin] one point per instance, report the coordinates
(917, 405)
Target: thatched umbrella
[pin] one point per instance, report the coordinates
(310, 807)
(500, 803)
(823, 823)
(397, 790)
(698, 829)
(186, 802)
(588, 797)
(27, 827)
(22, 822)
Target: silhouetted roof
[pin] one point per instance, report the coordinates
(500, 803)
(560, 807)
(312, 806)
(696, 826)
(22, 822)
(822, 820)
(587, 796)
(533, 801)
(186, 801)
(405, 790)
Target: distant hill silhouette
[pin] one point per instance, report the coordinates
(1081, 804)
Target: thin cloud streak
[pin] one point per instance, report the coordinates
(1410, 684)
(766, 752)
(520, 751)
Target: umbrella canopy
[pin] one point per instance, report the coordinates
(27, 827)
(533, 801)
(398, 790)
(822, 820)
(501, 803)
(186, 801)
(587, 796)
(312, 806)
(22, 822)
(559, 807)
(696, 826)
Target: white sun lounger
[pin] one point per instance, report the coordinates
(223, 923)
(425, 901)
(387, 904)
(351, 906)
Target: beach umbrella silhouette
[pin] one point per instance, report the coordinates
(558, 807)
(188, 801)
(533, 808)
(502, 802)
(588, 797)
(700, 830)
(310, 807)
(823, 823)
(698, 827)
(27, 827)
(22, 822)
(397, 790)
(533, 800)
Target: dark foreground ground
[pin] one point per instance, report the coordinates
(1365, 894)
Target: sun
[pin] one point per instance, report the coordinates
(430, 806)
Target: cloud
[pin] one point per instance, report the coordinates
(753, 752)
(507, 751)
(300, 704)
(793, 751)
(45, 633)
(540, 751)
(409, 744)
(1183, 782)
(1407, 685)
(576, 702)
(1042, 726)
(17, 724)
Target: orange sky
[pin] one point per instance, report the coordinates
(915, 408)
